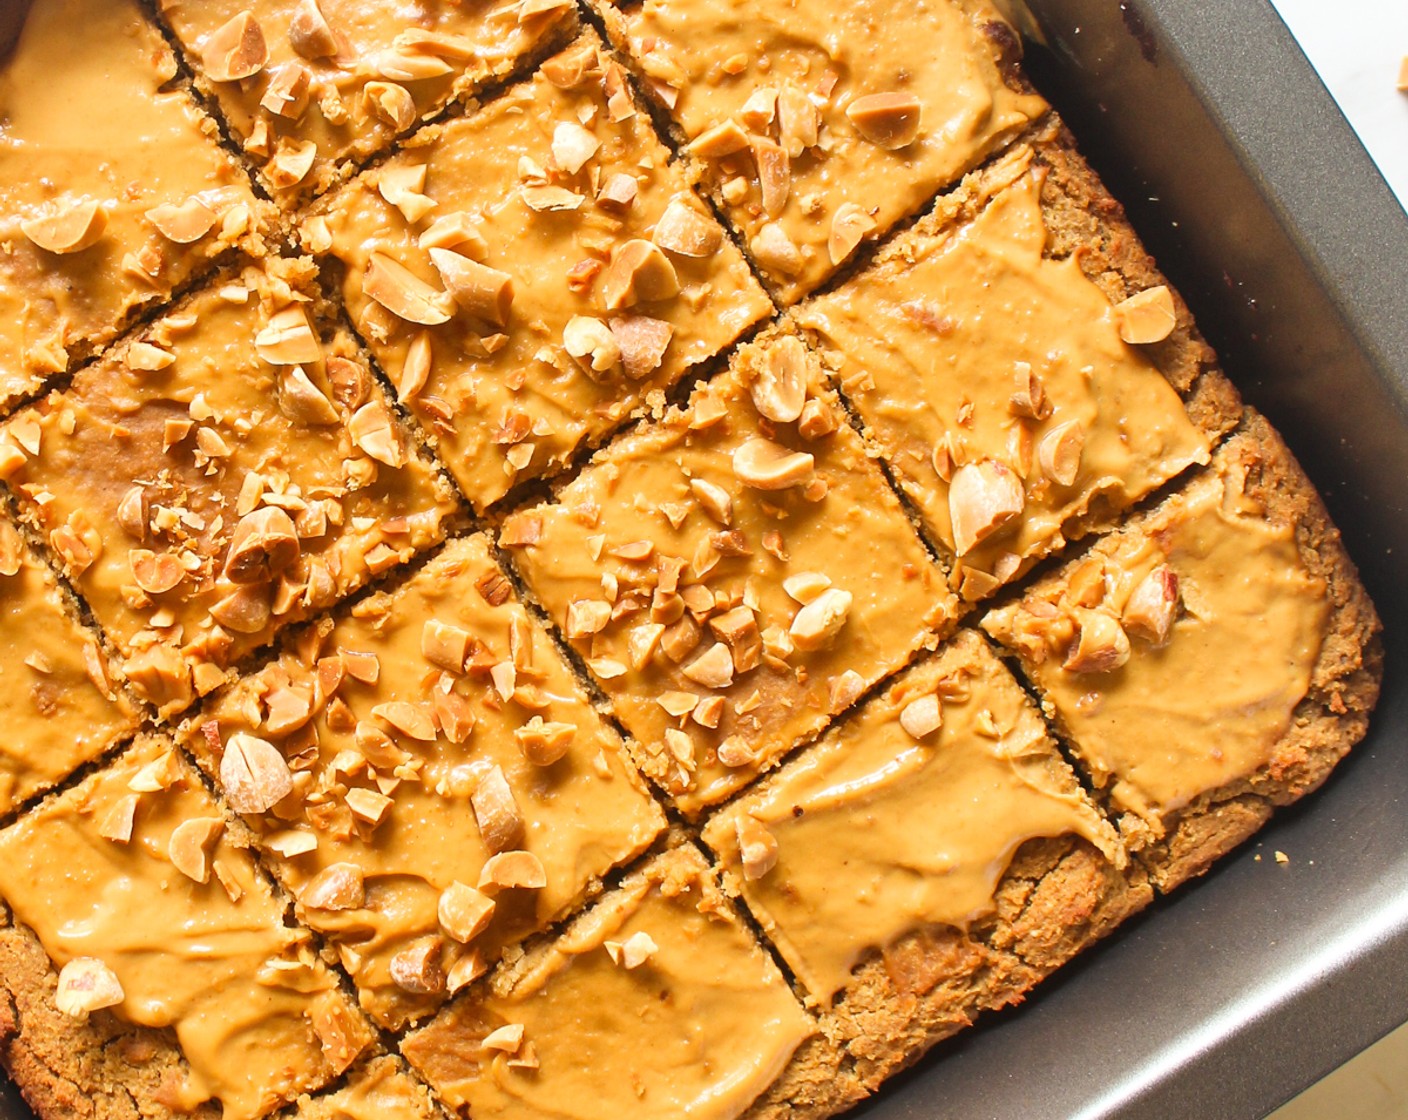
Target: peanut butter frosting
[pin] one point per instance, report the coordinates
(1175, 653)
(62, 707)
(906, 817)
(997, 384)
(234, 469)
(656, 1003)
(531, 274)
(149, 908)
(113, 190)
(821, 125)
(304, 84)
(428, 779)
(732, 581)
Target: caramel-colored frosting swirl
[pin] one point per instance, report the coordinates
(879, 831)
(258, 1017)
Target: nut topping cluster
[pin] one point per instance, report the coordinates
(724, 618)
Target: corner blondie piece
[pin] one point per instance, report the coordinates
(735, 574)
(1017, 407)
(655, 1003)
(379, 1089)
(819, 126)
(932, 858)
(62, 708)
(306, 85)
(1212, 660)
(428, 780)
(530, 275)
(113, 189)
(232, 470)
(146, 965)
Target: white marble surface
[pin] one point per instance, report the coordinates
(1357, 47)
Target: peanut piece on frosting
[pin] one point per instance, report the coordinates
(70, 228)
(780, 390)
(982, 498)
(1101, 644)
(339, 886)
(418, 970)
(309, 33)
(1059, 452)
(512, 870)
(254, 774)
(403, 293)
(191, 844)
(921, 717)
(1152, 606)
(482, 292)
(817, 623)
(850, 225)
(235, 50)
(757, 847)
(765, 465)
(265, 542)
(500, 823)
(634, 951)
(464, 912)
(637, 272)
(182, 222)
(683, 229)
(890, 120)
(86, 985)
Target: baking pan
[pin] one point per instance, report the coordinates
(1245, 987)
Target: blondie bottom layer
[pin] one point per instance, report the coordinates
(1213, 659)
(819, 126)
(530, 275)
(427, 779)
(310, 86)
(113, 188)
(234, 469)
(1020, 364)
(156, 973)
(932, 858)
(62, 707)
(735, 574)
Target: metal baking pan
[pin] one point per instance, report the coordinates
(1245, 987)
